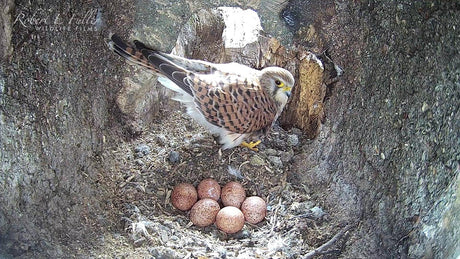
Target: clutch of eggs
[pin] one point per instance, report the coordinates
(206, 211)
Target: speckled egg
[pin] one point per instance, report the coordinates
(204, 212)
(254, 209)
(230, 219)
(209, 188)
(183, 196)
(233, 194)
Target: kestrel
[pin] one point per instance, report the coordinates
(233, 101)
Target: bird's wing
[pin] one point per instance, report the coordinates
(237, 104)
(173, 67)
(228, 95)
(153, 60)
(204, 67)
(132, 54)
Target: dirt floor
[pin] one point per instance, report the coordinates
(147, 169)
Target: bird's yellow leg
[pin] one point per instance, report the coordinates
(251, 145)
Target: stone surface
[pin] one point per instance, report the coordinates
(386, 160)
(257, 160)
(293, 140)
(276, 161)
(174, 157)
(57, 116)
(139, 100)
(143, 149)
(6, 24)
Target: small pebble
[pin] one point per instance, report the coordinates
(141, 151)
(197, 137)
(276, 161)
(425, 107)
(162, 140)
(142, 148)
(139, 162)
(256, 160)
(271, 152)
(174, 157)
(286, 156)
(301, 207)
(235, 172)
(293, 140)
(222, 252)
(317, 212)
(139, 242)
(243, 234)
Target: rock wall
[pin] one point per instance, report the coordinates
(57, 116)
(387, 154)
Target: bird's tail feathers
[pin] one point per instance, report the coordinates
(166, 82)
(132, 54)
(157, 61)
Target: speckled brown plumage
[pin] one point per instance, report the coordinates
(232, 100)
(235, 104)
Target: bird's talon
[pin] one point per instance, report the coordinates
(251, 145)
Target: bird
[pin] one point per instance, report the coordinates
(234, 102)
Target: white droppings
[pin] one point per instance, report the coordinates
(313, 57)
(241, 26)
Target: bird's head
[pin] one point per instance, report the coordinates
(278, 82)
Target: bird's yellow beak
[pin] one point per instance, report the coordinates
(287, 90)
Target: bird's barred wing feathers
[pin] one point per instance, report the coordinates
(233, 103)
(130, 53)
(151, 59)
(226, 94)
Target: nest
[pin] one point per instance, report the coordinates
(177, 150)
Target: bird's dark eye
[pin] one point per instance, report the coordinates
(278, 82)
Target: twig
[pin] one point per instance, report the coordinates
(274, 218)
(329, 243)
